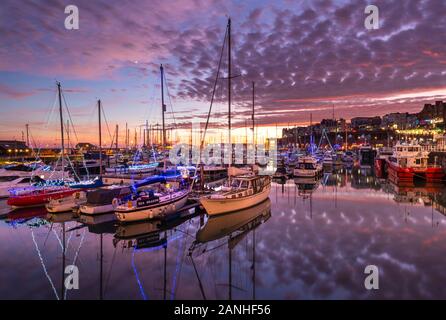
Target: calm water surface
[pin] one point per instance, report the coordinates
(307, 242)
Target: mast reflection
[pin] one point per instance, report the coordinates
(232, 228)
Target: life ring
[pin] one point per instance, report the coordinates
(115, 202)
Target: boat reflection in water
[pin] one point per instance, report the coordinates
(231, 228)
(152, 235)
(306, 186)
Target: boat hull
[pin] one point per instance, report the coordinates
(151, 212)
(38, 199)
(220, 206)
(304, 173)
(98, 209)
(398, 174)
(65, 204)
(380, 165)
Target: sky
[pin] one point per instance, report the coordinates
(304, 56)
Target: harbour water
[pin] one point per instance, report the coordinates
(309, 241)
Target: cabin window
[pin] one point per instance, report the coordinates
(418, 161)
(235, 184)
(244, 184)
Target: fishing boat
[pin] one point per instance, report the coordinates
(410, 162)
(244, 191)
(307, 167)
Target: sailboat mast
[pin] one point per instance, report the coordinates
(116, 141)
(100, 138)
(253, 123)
(229, 83)
(163, 106)
(61, 129)
(126, 136)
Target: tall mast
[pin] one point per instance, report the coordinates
(229, 82)
(146, 135)
(163, 106)
(253, 123)
(126, 136)
(116, 141)
(100, 138)
(68, 134)
(61, 128)
(27, 135)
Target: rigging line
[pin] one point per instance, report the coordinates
(75, 258)
(177, 268)
(141, 289)
(43, 265)
(109, 272)
(69, 116)
(215, 85)
(106, 123)
(77, 139)
(170, 101)
(51, 111)
(198, 277)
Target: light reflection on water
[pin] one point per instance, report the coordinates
(311, 241)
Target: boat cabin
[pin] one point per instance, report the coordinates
(409, 156)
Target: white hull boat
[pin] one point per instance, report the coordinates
(307, 167)
(249, 191)
(66, 204)
(152, 207)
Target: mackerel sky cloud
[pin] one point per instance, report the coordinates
(304, 56)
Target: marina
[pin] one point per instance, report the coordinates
(293, 242)
(222, 150)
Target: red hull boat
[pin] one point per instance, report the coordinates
(39, 197)
(410, 162)
(429, 174)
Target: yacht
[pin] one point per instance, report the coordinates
(156, 202)
(8, 182)
(307, 167)
(243, 192)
